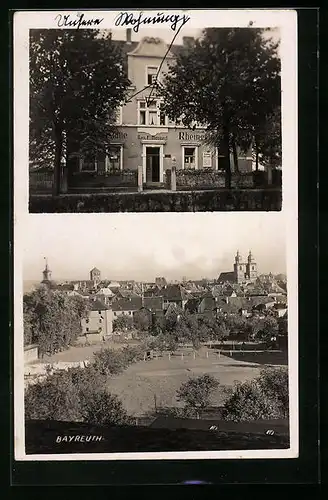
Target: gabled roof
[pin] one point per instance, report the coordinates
(227, 276)
(97, 305)
(132, 304)
(173, 309)
(175, 292)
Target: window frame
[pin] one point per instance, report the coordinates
(107, 164)
(81, 161)
(196, 148)
(147, 110)
(147, 73)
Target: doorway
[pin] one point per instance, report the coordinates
(152, 164)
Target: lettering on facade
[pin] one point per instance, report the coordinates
(185, 136)
(147, 137)
(119, 135)
(127, 19)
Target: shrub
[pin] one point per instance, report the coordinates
(75, 395)
(265, 397)
(196, 392)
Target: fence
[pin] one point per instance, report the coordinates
(41, 182)
(88, 181)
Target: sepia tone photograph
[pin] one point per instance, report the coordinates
(179, 345)
(156, 119)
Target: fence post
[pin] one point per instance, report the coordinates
(169, 357)
(182, 355)
(140, 178)
(173, 178)
(219, 354)
(269, 173)
(194, 355)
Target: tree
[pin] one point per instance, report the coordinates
(77, 81)
(52, 318)
(142, 320)
(265, 397)
(109, 361)
(196, 392)
(122, 323)
(228, 81)
(268, 328)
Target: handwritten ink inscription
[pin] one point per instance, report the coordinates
(67, 21)
(175, 20)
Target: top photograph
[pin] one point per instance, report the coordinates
(153, 119)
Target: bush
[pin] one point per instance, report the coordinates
(192, 201)
(75, 395)
(265, 397)
(196, 392)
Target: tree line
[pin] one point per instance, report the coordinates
(228, 80)
(174, 328)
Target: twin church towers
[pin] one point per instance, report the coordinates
(244, 271)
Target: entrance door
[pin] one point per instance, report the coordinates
(152, 164)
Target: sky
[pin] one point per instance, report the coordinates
(143, 246)
(167, 34)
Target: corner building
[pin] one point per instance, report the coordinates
(145, 136)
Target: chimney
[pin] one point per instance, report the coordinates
(128, 35)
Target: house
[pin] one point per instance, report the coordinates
(175, 294)
(99, 323)
(126, 306)
(144, 135)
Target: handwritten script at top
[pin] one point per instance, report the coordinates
(67, 21)
(175, 20)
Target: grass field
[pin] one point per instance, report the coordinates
(141, 383)
(161, 378)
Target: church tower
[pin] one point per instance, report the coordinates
(239, 269)
(251, 267)
(46, 273)
(95, 276)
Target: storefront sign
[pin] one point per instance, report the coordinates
(147, 137)
(186, 136)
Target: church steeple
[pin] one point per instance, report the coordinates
(46, 272)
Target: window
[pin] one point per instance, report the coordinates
(151, 74)
(240, 267)
(88, 163)
(114, 313)
(114, 159)
(189, 157)
(100, 321)
(87, 321)
(99, 312)
(150, 114)
(87, 329)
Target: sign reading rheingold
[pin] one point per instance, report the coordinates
(186, 136)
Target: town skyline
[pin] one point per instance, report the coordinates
(194, 246)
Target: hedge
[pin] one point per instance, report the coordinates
(187, 201)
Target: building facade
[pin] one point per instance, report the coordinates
(144, 135)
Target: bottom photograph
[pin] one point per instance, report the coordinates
(148, 335)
